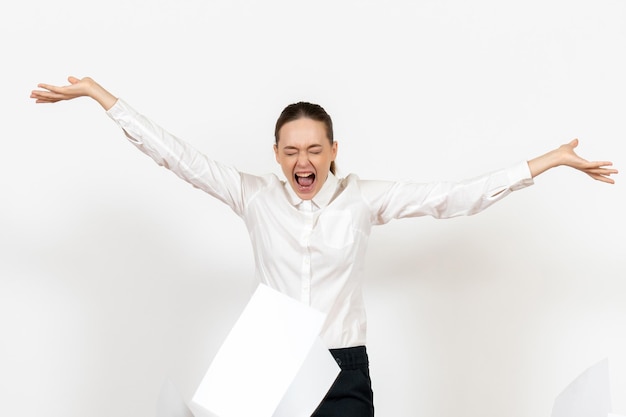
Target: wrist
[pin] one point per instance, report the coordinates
(544, 162)
(98, 93)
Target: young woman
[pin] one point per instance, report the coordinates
(310, 232)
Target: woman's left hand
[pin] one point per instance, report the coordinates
(565, 155)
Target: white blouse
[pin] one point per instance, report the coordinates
(314, 250)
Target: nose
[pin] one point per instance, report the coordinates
(303, 159)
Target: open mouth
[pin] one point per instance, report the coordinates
(305, 180)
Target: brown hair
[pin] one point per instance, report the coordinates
(312, 111)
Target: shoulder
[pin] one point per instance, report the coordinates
(352, 179)
(255, 181)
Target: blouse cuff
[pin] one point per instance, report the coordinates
(126, 117)
(520, 176)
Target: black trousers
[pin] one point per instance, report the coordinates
(351, 395)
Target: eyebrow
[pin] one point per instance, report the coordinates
(317, 145)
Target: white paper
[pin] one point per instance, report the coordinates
(170, 403)
(261, 357)
(589, 395)
(315, 378)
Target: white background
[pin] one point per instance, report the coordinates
(115, 275)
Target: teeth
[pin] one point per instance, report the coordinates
(308, 178)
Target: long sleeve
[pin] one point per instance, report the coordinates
(217, 179)
(394, 200)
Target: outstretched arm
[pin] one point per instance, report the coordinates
(85, 87)
(565, 155)
(219, 180)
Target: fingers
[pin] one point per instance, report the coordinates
(41, 98)
(48, 89)
(49, 96)
(45, 86)
(602, 174)
(595, 164)
(602, 178)
(39, 95)
(49, 93)
(601, 171)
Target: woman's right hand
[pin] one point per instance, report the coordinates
(85, 87)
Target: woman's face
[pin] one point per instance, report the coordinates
(304, 153)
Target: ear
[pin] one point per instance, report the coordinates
(334, 150)
(276, 153)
